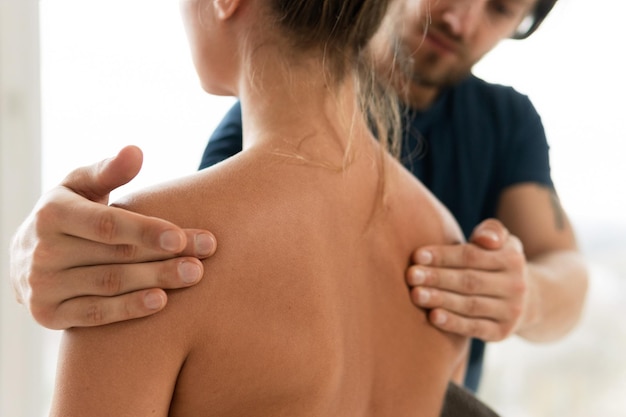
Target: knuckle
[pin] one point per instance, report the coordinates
(44, 312)
(110, 282)
(42, 254)
(46, 215)
(42, 315)
(126, 252)
(94, 314)
(472, 306)
(128, 311)
(72, 177)
(469, 255)
(36, 291)
(106, 226)
(470, 284)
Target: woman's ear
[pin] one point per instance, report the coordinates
(224, 9)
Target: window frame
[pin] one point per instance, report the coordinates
(22, 390)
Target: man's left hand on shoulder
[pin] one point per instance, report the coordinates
(478, 289)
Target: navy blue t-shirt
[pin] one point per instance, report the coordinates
(475, 141)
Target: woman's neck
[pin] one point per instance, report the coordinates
(294, 109)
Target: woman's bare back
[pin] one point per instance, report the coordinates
(304, 310)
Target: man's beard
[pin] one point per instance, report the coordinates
(426, 72)
(424, 69)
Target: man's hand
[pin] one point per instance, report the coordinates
(75, 261)
(479, 289)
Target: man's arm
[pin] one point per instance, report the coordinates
(558, 276)
(75, 261)
(524, 275)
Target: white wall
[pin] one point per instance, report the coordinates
(20, 339)
(119, 72)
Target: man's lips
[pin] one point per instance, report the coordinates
(442, 42)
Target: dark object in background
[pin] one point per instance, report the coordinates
(459, 402)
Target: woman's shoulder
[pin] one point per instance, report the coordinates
(187, 200)
(424, 215)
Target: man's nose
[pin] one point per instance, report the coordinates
(461, 16)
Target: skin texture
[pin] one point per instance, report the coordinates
(307, 312)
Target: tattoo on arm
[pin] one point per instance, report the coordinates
(559, 215)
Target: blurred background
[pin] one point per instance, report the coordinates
(79, 79)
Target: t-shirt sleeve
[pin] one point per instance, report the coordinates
(226, 140)
(527, 159)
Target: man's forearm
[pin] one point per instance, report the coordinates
(558, 285)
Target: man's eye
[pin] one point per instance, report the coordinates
(502, 9)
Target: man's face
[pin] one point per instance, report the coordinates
(443, 39)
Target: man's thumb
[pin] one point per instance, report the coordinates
(96, 181)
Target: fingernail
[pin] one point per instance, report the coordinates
(441, 318)
(171, 241)
(153, 301)
(489, 234)
(419, 276)
(424, 296)
(189, 272)
(424, 257)
(205, 244)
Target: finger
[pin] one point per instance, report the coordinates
(114, 280)
(67, 252)
(114, 225)
(459, 256)
(76, 210)
(515, 244)
(200, 243)
(483, 329)
(461, 281)
(469, 306)
(96, 181)
(63, 212)
(70, 227)
(97, 311)
(490, 234)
